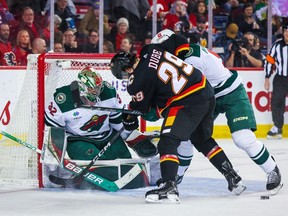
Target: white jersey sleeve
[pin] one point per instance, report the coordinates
(211, 65)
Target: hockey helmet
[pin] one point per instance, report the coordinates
(162, 36)
(120, 62)
(91, 83)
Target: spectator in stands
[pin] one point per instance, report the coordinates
(108, 47)
(177, 17)
(234, 8)
(224, 40)
(198, 34)
(242, 54)
(46, 31)
(28, 23)
(38, 46)
(162, 10)
(7, 57)
(120, 31)
(16, 7)
(22, 48)
(64, 12)
(5, 15)
(58, 47)
(191, 6)
(92, 46)
(126, 45)
(135, 12)
(90, 21)
(247, 22)
(70, 3)
(70, 42)
(201, 10)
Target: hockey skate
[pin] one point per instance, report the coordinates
(167, 193)
(274, 181)
(235, 184)
(178, 180)
(274, 133)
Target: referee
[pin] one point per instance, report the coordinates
(277, 59)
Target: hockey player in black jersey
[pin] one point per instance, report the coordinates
(159, 81)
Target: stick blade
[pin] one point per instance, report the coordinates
(66, 183)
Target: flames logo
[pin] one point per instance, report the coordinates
(10, 59)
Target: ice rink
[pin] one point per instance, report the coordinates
(202, 192)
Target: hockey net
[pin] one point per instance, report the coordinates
(18, 164)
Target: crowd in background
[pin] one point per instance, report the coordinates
(239, 27)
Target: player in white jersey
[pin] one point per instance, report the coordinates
(89, 130)
(95, 124)
(231, 99)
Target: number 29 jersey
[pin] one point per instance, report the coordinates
(163, 80)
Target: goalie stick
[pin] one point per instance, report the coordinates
(82, 173)
(89, 176)
(78, 104)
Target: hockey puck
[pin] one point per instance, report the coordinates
(264, 197)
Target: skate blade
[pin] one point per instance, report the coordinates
(239, 189)
(278, 136)
(276, 190)
(171, 199)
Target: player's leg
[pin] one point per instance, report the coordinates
(185, 155)
(177, 126)
(278, 105)
(204, 143)
(241, 121)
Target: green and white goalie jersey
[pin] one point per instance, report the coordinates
(60, 111)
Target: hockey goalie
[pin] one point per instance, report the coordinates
(91, 144)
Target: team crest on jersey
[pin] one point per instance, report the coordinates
(10, 59)
(60, 98)
(94, 124)
(190, 52)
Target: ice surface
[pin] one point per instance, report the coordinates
(203, 192)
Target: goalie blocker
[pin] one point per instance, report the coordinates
(55, 152)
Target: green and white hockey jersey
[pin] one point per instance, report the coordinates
(61, 112)
(221, 78)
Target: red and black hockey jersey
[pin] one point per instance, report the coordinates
(161, 79)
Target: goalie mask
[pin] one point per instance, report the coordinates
(120, 62)
(91, 84)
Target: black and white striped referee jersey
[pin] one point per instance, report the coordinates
(277, 59)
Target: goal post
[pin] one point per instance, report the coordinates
(45, 73)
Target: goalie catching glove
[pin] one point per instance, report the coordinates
(141, 144)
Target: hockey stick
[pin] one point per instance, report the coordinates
(89, 176)
(81, 175)
(78, 104)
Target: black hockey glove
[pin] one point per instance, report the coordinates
(130, 122)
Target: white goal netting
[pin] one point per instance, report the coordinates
(18, 164)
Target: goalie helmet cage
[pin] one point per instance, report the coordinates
(46, 72)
